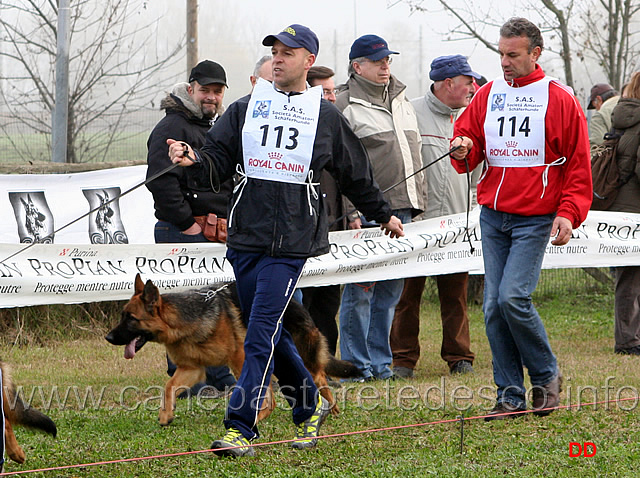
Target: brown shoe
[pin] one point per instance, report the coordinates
(545, 398)
(504, 410)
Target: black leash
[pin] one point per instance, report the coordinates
(146, 181)
(467, 234)
(403, 180)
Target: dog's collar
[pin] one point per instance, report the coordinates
(210, 294)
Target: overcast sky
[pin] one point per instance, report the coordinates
(231, 33)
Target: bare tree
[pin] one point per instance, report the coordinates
(112, 64)
(608, 39)
(594, 31)
(477, 21)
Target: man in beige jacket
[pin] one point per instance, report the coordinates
(437, 110)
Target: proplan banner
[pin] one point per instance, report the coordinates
(54, 273)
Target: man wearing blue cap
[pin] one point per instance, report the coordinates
(375, 105)
(277, 219)
(437, 110)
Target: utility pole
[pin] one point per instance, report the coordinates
(61, 109)
(192, 34)
(355, 20)
(335, 50)
(421, 74)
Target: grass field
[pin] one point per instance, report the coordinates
(124, 423)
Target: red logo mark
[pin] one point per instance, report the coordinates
(586, 449)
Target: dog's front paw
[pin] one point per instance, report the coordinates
(165, 418)
(17, 455)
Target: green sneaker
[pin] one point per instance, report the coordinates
(307, 431)
(233, 443)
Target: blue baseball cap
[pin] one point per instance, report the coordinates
(372, 47)
(295, 36)
(451, 66)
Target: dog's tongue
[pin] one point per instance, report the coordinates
(130, 349)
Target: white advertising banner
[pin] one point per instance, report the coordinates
(68, 273)
(33, 206)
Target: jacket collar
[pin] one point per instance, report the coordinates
(180, 100)
(437, 106)
(375, 93)
(536, 75)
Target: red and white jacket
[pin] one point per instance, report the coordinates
(566, 189)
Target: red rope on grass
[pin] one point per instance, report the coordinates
(335, 435)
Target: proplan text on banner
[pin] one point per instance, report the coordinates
(430, 247)
(55, 274)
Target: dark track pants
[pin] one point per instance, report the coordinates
(265, 285)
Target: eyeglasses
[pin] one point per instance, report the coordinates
(386, 60)
(327, 91)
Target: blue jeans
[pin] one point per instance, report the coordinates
(166, 233)
(366, 314)
(513, 248)
(218, 377)
(297, 296)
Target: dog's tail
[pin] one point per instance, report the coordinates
(21, 413)
(341, 369)
(28, 416)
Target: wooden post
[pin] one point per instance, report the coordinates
(59, 127)
(192, 34)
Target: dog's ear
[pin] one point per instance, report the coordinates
(150, 296)
(138, 285)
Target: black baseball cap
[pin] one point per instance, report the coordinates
(295, 36)
(208, 72)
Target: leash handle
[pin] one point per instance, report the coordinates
(214, 179)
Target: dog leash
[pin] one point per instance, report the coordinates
(133, 188)
(402, 181)
(467, 234)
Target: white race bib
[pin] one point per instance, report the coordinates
(279, 132)
(515, 124)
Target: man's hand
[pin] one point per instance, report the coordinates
(465, 146)
(178, 151)
(193, 230)
(561, 230)
(393, 228)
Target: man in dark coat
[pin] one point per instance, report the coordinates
(180, 195)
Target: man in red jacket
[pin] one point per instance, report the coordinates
(532, 136)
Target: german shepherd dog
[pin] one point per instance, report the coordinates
(16, 412)
(204, 327)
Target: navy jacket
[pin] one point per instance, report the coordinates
(274, 217)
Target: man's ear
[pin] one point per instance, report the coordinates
(537, 51)
(311, 59)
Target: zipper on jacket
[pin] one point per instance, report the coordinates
(276, 242)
